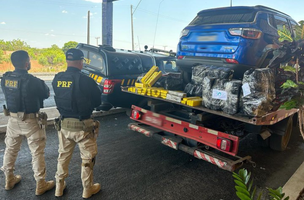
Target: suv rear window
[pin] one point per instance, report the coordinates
(224, 16)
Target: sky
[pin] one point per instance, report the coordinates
(158, 23)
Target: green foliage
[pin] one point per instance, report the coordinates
(277, 194)
(298, 30)
(53, 58)
(42, 60)
(289, 104)
(289, 69)
(285, 35)
(13, 45)
(68, 45)
(243, 188)
(289, 84)
(1, 56)
(245, 191)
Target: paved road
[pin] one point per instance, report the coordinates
(132, 166)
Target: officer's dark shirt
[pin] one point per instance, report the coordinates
(88, 87)
(37, 87)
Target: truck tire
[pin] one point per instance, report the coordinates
(281, 133)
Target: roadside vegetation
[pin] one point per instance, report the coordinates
(50, 59)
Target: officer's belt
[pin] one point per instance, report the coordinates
(24, 115)
(72, 124)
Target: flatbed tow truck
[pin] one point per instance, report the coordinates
(210, 135)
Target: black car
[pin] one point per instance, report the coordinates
(112, 68)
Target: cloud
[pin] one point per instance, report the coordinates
(95, 1)
(52, 30)
(3, 23)
(52, 35)
(64, 12)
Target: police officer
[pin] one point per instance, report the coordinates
(24, 96)
(76, 95)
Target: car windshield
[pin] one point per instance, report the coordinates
(224, 16)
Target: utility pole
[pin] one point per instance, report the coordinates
(132, 12)
(132, 28)
(230, 3)
(88, 33)
(97, 40)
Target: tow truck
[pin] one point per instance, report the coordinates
(210, 135)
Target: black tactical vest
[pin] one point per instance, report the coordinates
(70, 100)
(16, 90)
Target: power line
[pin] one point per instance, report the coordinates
(156, 22)
(137, 6)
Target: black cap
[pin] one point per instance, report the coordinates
(74, 54)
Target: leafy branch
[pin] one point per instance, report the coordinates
(245, 191)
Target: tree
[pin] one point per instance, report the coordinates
(68, 45)
(52, 56)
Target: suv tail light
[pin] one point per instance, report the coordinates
(136, 114)
(232, 61)
(180, 57)
(223, 144)
(108, 86)
(249, 33)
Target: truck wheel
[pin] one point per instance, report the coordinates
(281, 133)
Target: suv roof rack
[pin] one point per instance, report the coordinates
(271, 9)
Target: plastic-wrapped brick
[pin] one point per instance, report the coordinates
(198, 73)
(218, 94)
(207, 93)
(231, 105)
(258, 92)
(190, 89)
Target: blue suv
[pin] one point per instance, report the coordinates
(239, 37)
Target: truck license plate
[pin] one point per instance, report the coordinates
(154, 120)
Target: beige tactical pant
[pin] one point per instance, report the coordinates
(67, 141)
(36, 139)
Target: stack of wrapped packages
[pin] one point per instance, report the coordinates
(170, 81)
(220, 91)
(258, 92)
(216, 87)
(253, 96)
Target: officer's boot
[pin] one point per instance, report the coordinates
(11, 180)
(60, 186)
(42, 186)
(87, 181)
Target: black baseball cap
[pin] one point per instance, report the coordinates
(74, 54)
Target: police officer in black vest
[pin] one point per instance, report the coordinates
(24, 96)
(76, 95)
